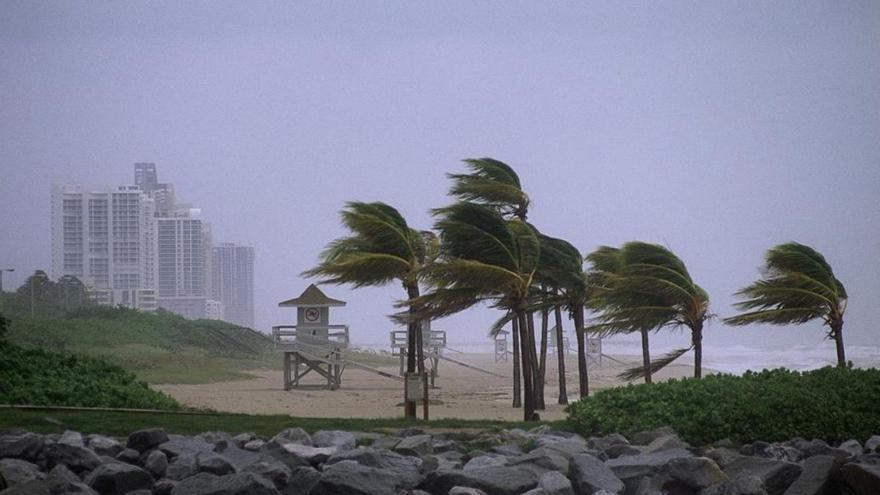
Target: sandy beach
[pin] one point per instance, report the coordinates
(461, 392)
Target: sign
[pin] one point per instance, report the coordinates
(415, 385)
(313, 314)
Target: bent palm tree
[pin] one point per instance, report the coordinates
(649, 288)
(798, 286)
(381, 249)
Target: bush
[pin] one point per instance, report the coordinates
(834, 404)
(37, 377)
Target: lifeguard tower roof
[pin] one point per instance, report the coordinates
(312, 297)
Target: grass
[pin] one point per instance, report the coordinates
(160, 347)
(121, 423)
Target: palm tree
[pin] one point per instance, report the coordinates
(644, 287)
(798, 286)
(485, 258)
(381, 249)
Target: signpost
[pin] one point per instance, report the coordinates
(416, 389)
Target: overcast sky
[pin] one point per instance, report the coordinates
(716, 129)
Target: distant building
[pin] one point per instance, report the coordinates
(103, 236)
(233, 282)
(181, 267)
(213, 310)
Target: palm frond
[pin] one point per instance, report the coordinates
(360, 269)
(656, 365)
(492, 183)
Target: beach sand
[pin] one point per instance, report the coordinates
(462, 392)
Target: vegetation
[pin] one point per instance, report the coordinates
(644, 287)
(39, 295)
(832, 403)
(121, 423)
(798, 286)
(381, 249)
(37, 377)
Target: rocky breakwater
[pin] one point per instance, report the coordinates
(536, 462)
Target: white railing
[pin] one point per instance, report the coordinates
(289, 336)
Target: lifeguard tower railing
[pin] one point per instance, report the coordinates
(430, 340)
(292, 338)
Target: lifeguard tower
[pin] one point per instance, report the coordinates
(502, 351)
(566, 347)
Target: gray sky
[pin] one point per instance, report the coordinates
(717, 129)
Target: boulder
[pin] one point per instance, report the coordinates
(695, 472)
(465, 490)
(18, 472)
(231, 484)
(102, 445)
(404, 467)
(72, 438)
(638, 466)
(385, 443)
(748, 484)
(274, 471)
(568, 449)
(722, 456)
(340, 440)
(507, 450)
(555, 483)
(409, 432)
(214, 437)
(156, 463)
(606, 442)
(118, 479)
(589, 475)
(440, 445)
(665, 442)
(863, 479)
(33, 487)
(25, 446)
(63, 480)
(312, 455)
(212, 463)
(278, 452)
(254, 445)
(236, 456)
(178, 445)
(494, 480)
(164, 487)
(144, 440)
(777, 476)
(540, 463)
(485, 460)
(415, 445)
(620, 450)
(873, 444)
(816, 476)
(853, 447)
(302, 481)
(77, 458)
(351, 478)
(772, 451)
(293, 435)
(648, 436)
(128, 456)
(182, 467)
(243, 438)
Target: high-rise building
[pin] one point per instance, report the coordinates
(103, 236)
(233, 282)
(181, 268)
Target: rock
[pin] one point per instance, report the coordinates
(816, 477)
(620, 450)
(385, 443)
(772, 451)
(430, 463)
(507, 450)
(409, 432)
(212, 463)
(243, 438)
(156, 463)
(214, 437)
(540, 463)
(72, 438)
(231, 484)
(404, 467)
(182, 467)
(302, 481)
(588, 475)
(568, 448)
(18, 472)
(606, 442)
(293, 435)
(128, 456)
(118, 479)
(485, 460)
(236, 456)
(415, 445)
(853, 447)
(33, 487)
(164, 487)
(494, 480)
(351, 478)
(102, 445)
(274, 471)
(864, 479)
(696, 472)
(464, 490)
(638, 466)
(254, 445)
(179, 445)
(722, 456)
(312, 455)
(555, 483)
(439, 446)
(340, 440)
(25, 446)
(61, 480)
(648, 436)
(809, 448)
(777, 476)
(748, 485)
(665, 442)
(144, 440)
(78, 459)
(275, 450)
(873, 444)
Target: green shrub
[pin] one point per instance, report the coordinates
(37, 377)
(831, 403)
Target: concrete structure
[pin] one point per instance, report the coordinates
(181, 266)
(213, 309)
(103, 236)
(233, 282)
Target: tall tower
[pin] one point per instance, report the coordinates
(233, 282)
(145, 176)
(180, 264)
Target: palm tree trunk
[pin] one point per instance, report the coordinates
(560, 356)
(528, 380)
(697, 338)
(533, 361)
(542, 364)
(583, 371)
(837, 330)
(517, 385)
(413, 339)
(646, 357)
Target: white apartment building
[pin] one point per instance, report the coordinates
(233, 282)
(182, 258)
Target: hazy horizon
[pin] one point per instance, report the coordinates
(716, 129)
